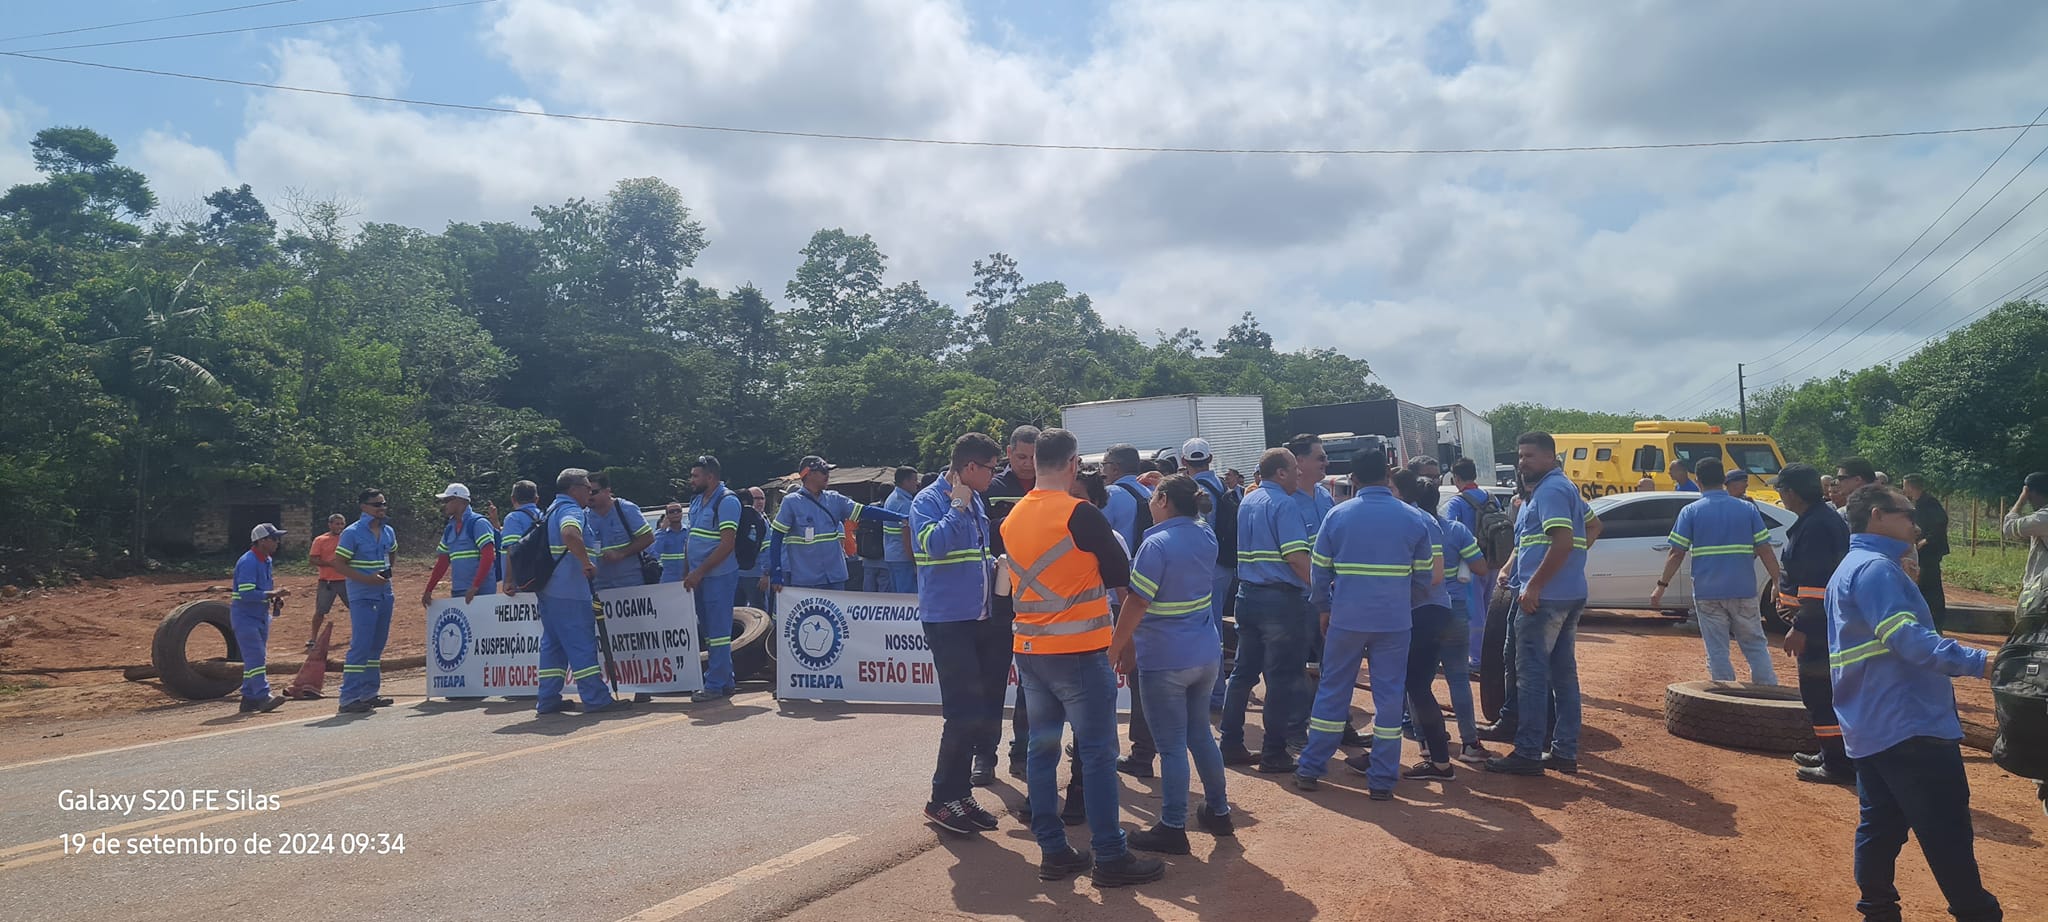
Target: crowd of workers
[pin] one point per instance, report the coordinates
(1077, 577)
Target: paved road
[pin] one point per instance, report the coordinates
(505, 816)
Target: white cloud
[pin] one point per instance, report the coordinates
(1605, 280)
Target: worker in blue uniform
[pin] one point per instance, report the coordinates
(1552, 533)
(617, 533)
(524, 515)
(1891, 672)
(898, 552)
(1369, 557)
(714, 578)
(249, 615)
(1275, 625)
(568, 628)
(672, 543)
(467, 554)
(809, 522)
(366, 551)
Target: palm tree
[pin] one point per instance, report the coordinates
(145, 329)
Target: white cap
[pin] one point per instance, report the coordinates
(1196, 449)
(265, 530)
(454, 491)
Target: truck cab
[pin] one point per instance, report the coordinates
(1340, 446)
(1603, 464)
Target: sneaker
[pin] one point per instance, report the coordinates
(1276, 764)
(1130, 765)
(951, 816)
(1560, 766)
(559, 707)
(643, 698)
(707, 696)
(613, 706)
(1306, 783)
(1426, 770)
(1360, 764)
(1380, 794)
(1238, 755)
(1821, 774)
(1163, 839)
(1128, 869)
(1809, 759)
(1473, 754)
(381, 702)
(982, 819)
(1061, 867)
(355, 707)
(1353, 738)
(275, 702)
(1216, 824)
(1497, 732)
(1514, 765)
(983, 773)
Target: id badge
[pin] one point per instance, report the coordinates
(810, 531)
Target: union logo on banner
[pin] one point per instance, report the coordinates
(816, 631)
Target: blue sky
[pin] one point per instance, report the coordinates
(1603, 280)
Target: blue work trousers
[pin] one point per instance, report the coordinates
(1386, 654)
(568, 649)
(369, 628)
(251, 623)
(1918, 785)
(713, 598)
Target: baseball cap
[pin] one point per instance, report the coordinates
(1736, 474)
(1196, 449)
(813, 463)
(454, 491)
(265, 530)
(2038, 481)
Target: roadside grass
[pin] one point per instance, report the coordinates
(1995, 570)
(15, 687)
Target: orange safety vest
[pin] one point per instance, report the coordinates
(1057, 589)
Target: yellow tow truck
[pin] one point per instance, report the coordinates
(1603, 464)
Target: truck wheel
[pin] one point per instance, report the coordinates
(1493, 659)
(749, 643)
(187, 679)
(1767, 605)
(1769, 718)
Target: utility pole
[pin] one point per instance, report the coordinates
(1742, 396)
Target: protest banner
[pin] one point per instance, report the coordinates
(491, 647)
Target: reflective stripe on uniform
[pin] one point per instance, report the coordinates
(1858, 653)
(1386, 733)
(1326, 726)
(1171, 609)
(1891, 625)
(1050, 601)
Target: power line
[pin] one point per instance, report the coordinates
(1916, 240)
(281, 25)
(1679, 407)
(144, 22)
(2030, 243)
(1017, 145)
(1895, 308)
(2033, 286)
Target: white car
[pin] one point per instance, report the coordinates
(1635, 541)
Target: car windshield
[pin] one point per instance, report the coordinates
(1692, 452)
(1756, 459)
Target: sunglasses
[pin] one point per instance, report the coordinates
(376, 505)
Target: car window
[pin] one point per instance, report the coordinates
(1604, 454)
(1692, 452)
(1578, 454)
(1775, 517)
(1646, 518)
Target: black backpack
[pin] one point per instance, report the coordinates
(532, 563)
(753, 530)
(1496, 532)
(867, 539)
(1143, 520)
(1223, 521)
(2019, 690)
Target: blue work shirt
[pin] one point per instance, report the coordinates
(1464, 508)
(1122, 510)
(1722, 532)
(1690, 486)
(463, 540)
(1890, 669)
(1460, 549)
(1368, 559)
(252, 582)
(672, 545)
(516, 524)
(899, 502)
(1270, 526)
(810, 530)
(613, 530)
(367, 548)
(1173, 573)
(1554, 503)
(711, 515)
(953, 562)
(566, 515)
(1315, 507)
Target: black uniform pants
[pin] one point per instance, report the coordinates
(1930, 589)
(1817, 686)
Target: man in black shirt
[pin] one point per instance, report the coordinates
(1933, 521)
(1814, 546)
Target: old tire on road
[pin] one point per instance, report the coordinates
(750, 636)
(1769, 718)
(185, 678)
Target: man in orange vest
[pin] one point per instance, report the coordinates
(1063, 559)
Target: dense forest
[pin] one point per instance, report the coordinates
(146, 362)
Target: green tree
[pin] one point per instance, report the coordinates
(149, 332)
(85, 199)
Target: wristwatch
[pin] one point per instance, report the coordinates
(1663, 585)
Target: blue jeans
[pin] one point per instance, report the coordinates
(749, 592)
(568, 649)
(1219, 594)
(1546, 674)
(1721, 618)
(902, 576)
(1177, 708)
(1274, 631)
(1457, 672)
(369, 628)
(251, 622)
(714, 626)
(1386, 652)
(1477, 594)
(1918, 785)
(1076, 688)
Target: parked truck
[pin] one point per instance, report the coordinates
(1235, 427)
(1408, 428)
(1461, 433)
